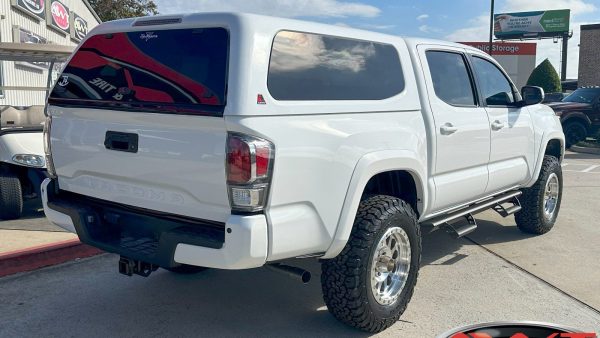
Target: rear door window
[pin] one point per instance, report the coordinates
(307, 66)
(450, 77)
(169, 70)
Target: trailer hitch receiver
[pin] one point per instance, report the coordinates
(128, 267)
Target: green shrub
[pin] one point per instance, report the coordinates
(545, 76)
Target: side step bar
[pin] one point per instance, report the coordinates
(494, 203)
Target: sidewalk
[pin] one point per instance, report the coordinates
(32, 242)
(33, 229)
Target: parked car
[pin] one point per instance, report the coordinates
(264, 139)
(579, 114)
(554, 97)
(22, 163)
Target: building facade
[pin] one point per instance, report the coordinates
(63, 22)
(589, 56)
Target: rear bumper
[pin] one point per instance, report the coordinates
(158, 238)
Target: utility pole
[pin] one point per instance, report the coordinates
(565, 46)
(491, 28)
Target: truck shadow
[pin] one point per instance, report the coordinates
(93, 297)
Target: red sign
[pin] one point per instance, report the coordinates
(59, 16)
(505, 48)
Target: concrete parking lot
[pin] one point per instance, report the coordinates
(496, 273)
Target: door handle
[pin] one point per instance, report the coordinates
(448, 129)
(497, 125)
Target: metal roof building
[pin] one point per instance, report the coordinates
(37, 27)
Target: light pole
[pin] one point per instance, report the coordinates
(491, 27)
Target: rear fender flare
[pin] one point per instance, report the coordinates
(368, 166)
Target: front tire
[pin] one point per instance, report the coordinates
(541, 202)
(369, 284)
(11, 197)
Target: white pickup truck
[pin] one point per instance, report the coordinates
(236, 141)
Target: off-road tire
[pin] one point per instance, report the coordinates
(574, 132)
(11, 197)
(531, 219)
(185, 269)
(345, 280)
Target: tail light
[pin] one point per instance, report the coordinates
(249, 171)
(47, 149)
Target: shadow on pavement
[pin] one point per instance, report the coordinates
(91, 299)
(490, 232)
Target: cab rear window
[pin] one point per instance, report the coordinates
(182, 70)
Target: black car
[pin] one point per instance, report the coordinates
(579, 114)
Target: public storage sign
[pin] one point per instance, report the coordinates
(505, 48)
(32, 7)
(58, 16)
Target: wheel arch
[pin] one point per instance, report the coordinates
(577, 117)
(553, 144)
(369, 176)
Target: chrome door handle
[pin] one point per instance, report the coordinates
(448, 129)
(497, 125)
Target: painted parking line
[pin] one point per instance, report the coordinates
(589, 169)
(585, 168)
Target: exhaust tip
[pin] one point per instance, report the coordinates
(306, 276)
(291, 271)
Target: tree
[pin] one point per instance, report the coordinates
(119, 9)
(545, 76)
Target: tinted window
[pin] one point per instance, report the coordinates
(583, 95)
(495, 87)
(171, 69)
(316, 67)
(450, 77)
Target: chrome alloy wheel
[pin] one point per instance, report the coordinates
(390, 266)
(551, 193)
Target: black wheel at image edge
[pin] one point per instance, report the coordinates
(11, 197)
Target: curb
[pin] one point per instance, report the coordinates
(44, 255)
(585, 150)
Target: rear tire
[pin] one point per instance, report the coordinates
(541, 202)
(574, 132)
(11, 197)
(369, 284)
(185, 269)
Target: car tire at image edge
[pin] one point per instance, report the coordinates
(541, 202)
(11, 197)
(369, 284)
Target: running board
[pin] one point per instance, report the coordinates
(468, 212)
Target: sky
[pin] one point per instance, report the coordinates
(453, 20)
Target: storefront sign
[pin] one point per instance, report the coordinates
(505, 48)
(58, 16)
(32, 7)
(79, 27)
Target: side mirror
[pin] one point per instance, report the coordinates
(532, 95)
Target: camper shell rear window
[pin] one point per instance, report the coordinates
(307, 66)
(168, 71)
